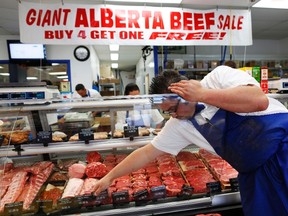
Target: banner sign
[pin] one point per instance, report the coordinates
(130, 25)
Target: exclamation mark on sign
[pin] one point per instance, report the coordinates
(222, 35)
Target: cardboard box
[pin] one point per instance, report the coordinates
(109, 80)
(104, 121)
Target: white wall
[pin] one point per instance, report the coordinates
(141, 74)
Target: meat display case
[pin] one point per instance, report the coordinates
(39, 116)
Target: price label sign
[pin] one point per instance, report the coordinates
(1, 140)
(66, 204)
(13, 208)
(44, 137)
(131, 131)
(186, 192)
(85, 201)
(101, 197)
(141, 197)
(234, 184)
(45, 205)
(120, 198)
(214, 187)
(158, 192)
(86, 134)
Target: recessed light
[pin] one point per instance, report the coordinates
(114, 65)
(4, 74)
(114, 56)
(31, 78)
(62, 77)
(114, 47)
(58, 73)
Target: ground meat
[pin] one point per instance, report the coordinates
(96, 170)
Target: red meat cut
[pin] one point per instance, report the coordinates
(93, 157)
(96, 170)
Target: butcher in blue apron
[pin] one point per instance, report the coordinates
(227, 114)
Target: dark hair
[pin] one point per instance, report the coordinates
(131, 87)
(160, 83)
(79, 87)
(48, 82)
(230, 63)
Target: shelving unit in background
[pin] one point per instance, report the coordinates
(109, 87)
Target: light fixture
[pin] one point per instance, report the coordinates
(31, 78)
(114, 47)
(62, 77)
(276, 4)
(55, 64)
(148, 1)
(1, 67)
(114, 56)
(58, 73)
(114, 65)
(4, 74)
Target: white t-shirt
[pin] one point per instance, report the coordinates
(92, 93)
(150, 117)
(177, 134)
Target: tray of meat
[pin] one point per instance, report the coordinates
(221, 169)
(23, 185)
(195, 171)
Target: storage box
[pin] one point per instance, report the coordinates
(109, 80)
(104, 121)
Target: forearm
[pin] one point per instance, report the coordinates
(238, 99)
(133, 162)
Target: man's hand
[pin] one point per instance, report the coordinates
(190, 90)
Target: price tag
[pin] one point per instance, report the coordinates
(213, 187)
(186, 192)
(66, 204)
(234, 184)
(86, 135)
(158, 192)
(45, 205)
(120, 198)
(85, 201)
(141, 197)
(13, 208)
(1, 139)
(44, 137)
(131, 131)
(101, 197)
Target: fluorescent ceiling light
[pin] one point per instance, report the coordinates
(58, 73)
(277, 4)
(114, 47)
(1, 67)
(4, 74)
(114, 65)
(55, 64)
(31, 78)
(62, 77)
(114, 56)
(148, 1)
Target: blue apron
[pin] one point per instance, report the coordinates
(257, 147)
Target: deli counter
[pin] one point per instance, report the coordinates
(43, 142)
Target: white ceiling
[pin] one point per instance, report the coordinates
(269, 24)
